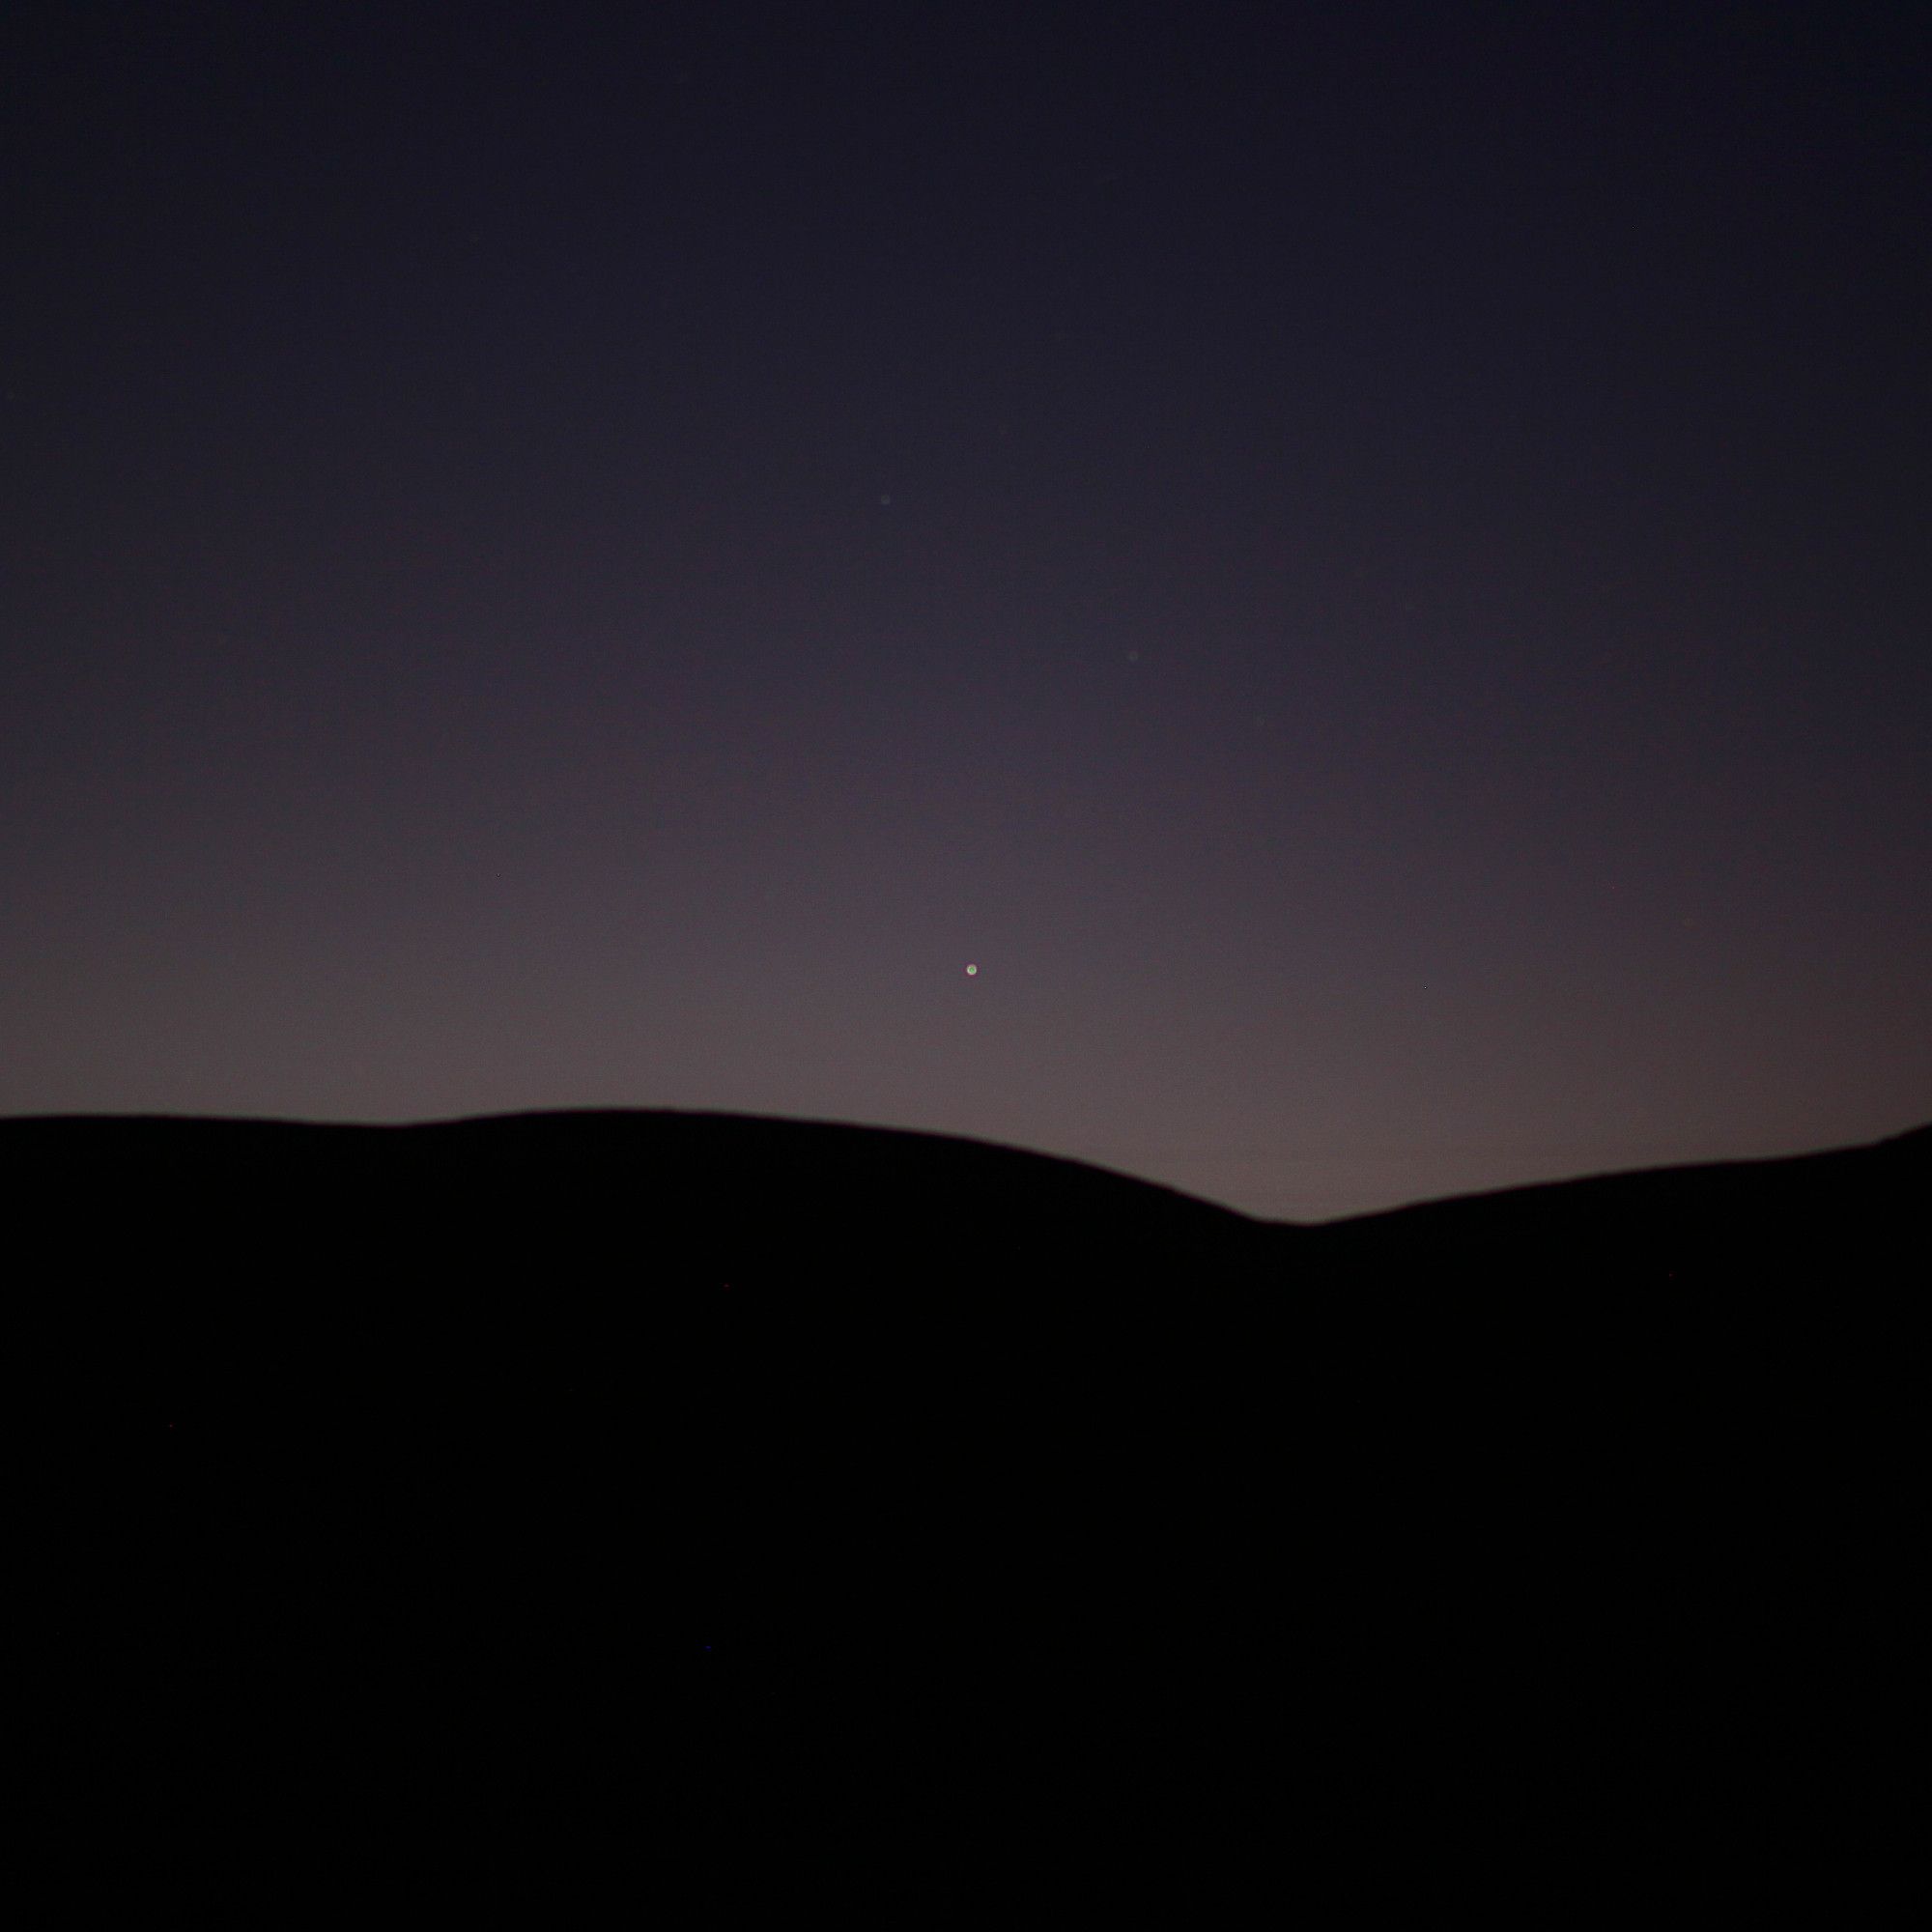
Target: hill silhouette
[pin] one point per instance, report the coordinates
(682, 1497)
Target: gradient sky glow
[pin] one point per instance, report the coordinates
(1367, 565)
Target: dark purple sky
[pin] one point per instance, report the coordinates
(1367, 565)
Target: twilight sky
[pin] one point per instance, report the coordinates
(1368, 565)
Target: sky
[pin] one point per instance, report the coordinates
(1366, 567)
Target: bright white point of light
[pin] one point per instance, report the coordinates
(971, 971)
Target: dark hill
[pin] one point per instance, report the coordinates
(1039, 1521)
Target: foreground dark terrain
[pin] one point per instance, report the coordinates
(535, 1507)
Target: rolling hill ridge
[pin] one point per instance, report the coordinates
(394, 1480)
